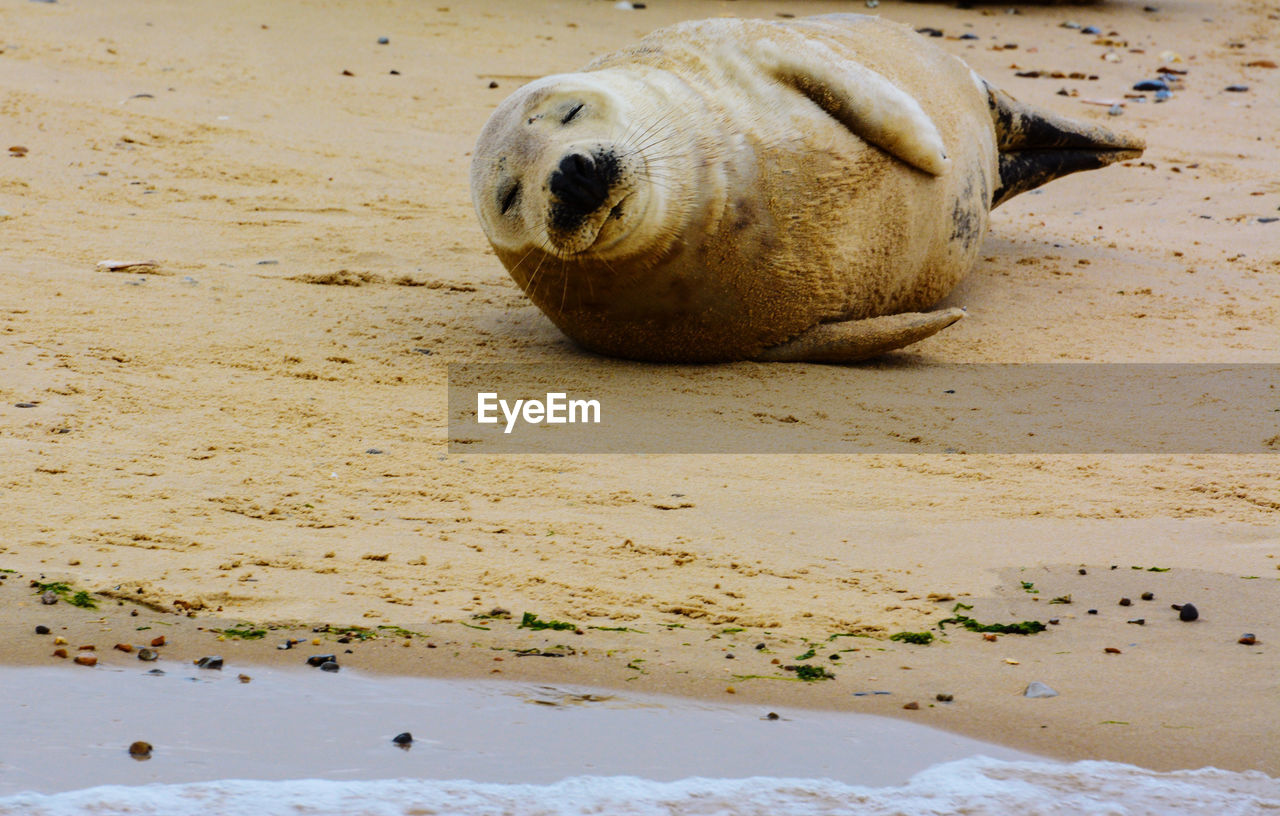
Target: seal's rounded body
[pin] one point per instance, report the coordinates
(735, 189)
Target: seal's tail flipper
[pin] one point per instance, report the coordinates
(855, 340)
(1037, 146)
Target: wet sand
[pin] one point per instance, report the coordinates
(198, 449)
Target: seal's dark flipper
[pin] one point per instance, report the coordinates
(1037, 146)
(855, 340)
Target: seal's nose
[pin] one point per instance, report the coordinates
(581, 183)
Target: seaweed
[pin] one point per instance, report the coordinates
(1030, 588)
(918, 638)
(1023, 628)
(245, 632)
(75, 597)
(806, 655)
(810, 673)
(530, 621)
(616, 629)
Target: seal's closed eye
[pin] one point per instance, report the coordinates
(509, 200)
(568, 117)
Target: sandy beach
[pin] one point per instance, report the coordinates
(249, 433)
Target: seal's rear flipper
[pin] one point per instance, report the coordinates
(855, 340)
(1037, 146)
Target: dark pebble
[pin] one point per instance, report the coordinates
(929, 32)
(404, 738)
(384, 40)
(945, 698)
(1248, 639)
(912, 706)
(1150, 8)
(1090, 30)
(147, 655)
(834, 657)
(1237, 88)
(1054, 621)
(1188, 612)
(1151, 85)
(1082, 571)
(772, 715)
(1093, 611)
(1126, 602)
(267, 263)
(1138, 621)
(1270, 219)
(1148, 596)
(42, 630)
(205, 662)
(969, 36)
(24, 405)
(156, 672)
(140, 750)
(331, 666)
(760, 647)
(320, 660)
(375, 451)
(729, 656)
(394, 72)
(493, 83)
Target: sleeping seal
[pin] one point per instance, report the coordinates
(757, 190)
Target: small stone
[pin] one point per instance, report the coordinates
(1111, 650)
(209, 663)
(968, 35)
(1072, 24)
(493, 83)
(49, 598)
(1037, 689)
(320, 660)
(59, 652)
(24, 405)
(1148, 596)
(1248, 639)
(147, 654)
(760, 647)
(157, 642)
(1092, 611)
(990, 636)
(772, 715)
(1237, 88)
(384, 40)
(944, 698)
(1082, 571)
(1115, 110)
(1137, 621)
(1090, 30)
(403, 739)
(912, 706)
(89, 648)
(1126, 602)
(729, 656)
(1151, 85)
(1055, 621)
(123, 647)
(330, 666)
(244, 678)
(1188, 613)
(42, 630)
(59, 641)
(156, 672)
(87, 659)
(374, 451)
(140, 750)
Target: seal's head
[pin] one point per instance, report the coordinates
(562, 166)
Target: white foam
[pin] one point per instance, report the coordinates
(974, 786)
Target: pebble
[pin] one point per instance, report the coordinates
(1137, 621)
(123, 647)
(403, 739)
(1188, 612)
(929, 32)
(59, 641)
(1093, 612)
(1111, 650)
(1090, 30)
(1126, 602)
(384, 40)
(49, 598)
(320, 660)
(330, 666)
(772, 715)
(157, 642)
(1237, 88)
(1148, 596)
(140, 750)
(968, 35)
(760, 647)
(1071, 24)
(59, 652)
(1248, 639)
(1151, 85)
(945, 698)
(1115, 110)
(42, 630)
(209, 663)
(1082, 571)
(156, 672)
(1037, 689)
(24, 405)
(244, 678)
(86, 660)
(912, 706)
(374, 451)
(1163, 96)
(147, 654)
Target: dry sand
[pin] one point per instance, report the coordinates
(198, 447)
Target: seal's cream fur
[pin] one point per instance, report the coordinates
(736, 189)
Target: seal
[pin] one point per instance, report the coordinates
(799, 190)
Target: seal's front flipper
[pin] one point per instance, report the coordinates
(869, 105)
(1037, 146)
(855, 340)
